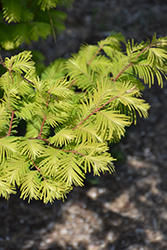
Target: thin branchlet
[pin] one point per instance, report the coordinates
(131, 63)
(102, 106)
(11, 122)
(44, 119)
(39, 170)
(64, 150)
(100, 48)
(2, 62)
(51, 22)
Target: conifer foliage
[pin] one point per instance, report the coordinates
(28, 20)
(71, 112)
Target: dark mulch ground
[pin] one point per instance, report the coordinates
(123, 211)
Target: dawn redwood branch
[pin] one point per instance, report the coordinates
(11, 121)
(10, 71)
(131, 63)
(120, 73)
(96, 110)
(95, 54)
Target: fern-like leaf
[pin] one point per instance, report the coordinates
(50, 191)
(69, 171)
(55, 70)
(12, 10)
(47, 4)
(87, 133)
(20, 62)
(110, 122)
(30, 148)
(63, 137)
(5, 188)
(15, 169)
(8, 147)
(39, 29)
(80, 73)
(30, 186)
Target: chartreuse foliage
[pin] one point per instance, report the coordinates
(29, 20)
(71, 113)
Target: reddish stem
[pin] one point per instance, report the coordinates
(71, 84)
(71, 151)
(38, 169)
(64, 150)
(120, 73)
(96, 110)
(95, 54)
(10, 73)
(11, 121)
(26, 79)
(44, 119)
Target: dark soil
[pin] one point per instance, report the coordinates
(123, 211)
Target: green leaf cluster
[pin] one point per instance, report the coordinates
(71, 113)
(29, 21)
